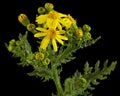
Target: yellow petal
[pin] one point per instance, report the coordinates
(61, 32)
(41, 19)
(40, 34)
(62, 37)
(45, 43)
(62, 15)
(55, 23)
(59, 26)
(60, 41)
(54, 45)
(49, 22)
(41, 29)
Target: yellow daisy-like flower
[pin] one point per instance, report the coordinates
(50, 18)
(62, 20)
(68, 21)
(52, 33)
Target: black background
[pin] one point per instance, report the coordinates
(103, 19)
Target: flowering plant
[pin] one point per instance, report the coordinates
(57, 37)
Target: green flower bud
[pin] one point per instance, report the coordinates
(12, 42)
(39, 56)
(41, 10)
(23, 19)
(87, 35)
(18, 43)
(46, 61)
(30, 56)
(79, 33)
(11, 45)
(31, 27)
(86, 28)
(10, 48)
(82, 82)
(49, 6)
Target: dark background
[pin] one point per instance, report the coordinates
(103, 19)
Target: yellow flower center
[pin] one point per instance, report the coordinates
(53, 15)
(52, 33)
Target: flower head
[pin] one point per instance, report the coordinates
(53, 34)
(62, 20)
(68, 21)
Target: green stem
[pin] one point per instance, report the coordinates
(56, 76)
(56, 79)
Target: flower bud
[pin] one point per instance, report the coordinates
(10, 48)
(79, 33)
(46, 61)
(86, 28)
(23, 19)
(39, 56)
(87, 35)
(31, 27)
(49, 6)
(82, 82)
(41, 10)
(11, 45)
(12, 42)
(18, 43)
(31, 56)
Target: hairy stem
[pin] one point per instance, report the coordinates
(56, 79)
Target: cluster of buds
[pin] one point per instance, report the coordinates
(24, 20)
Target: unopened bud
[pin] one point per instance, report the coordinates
(49, 6)
(18, 43)
(11, 45)
(12, 42)
(41, 10)
(79, 33)
(86, 28)
(31, 27)
(46, 61)
(39, 56)
(87, 35)
(22, 18)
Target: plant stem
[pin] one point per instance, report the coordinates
(56, 79)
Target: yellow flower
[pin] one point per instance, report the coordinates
(62, 20)
(50, 18)
(52, 33)
(68, 21)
